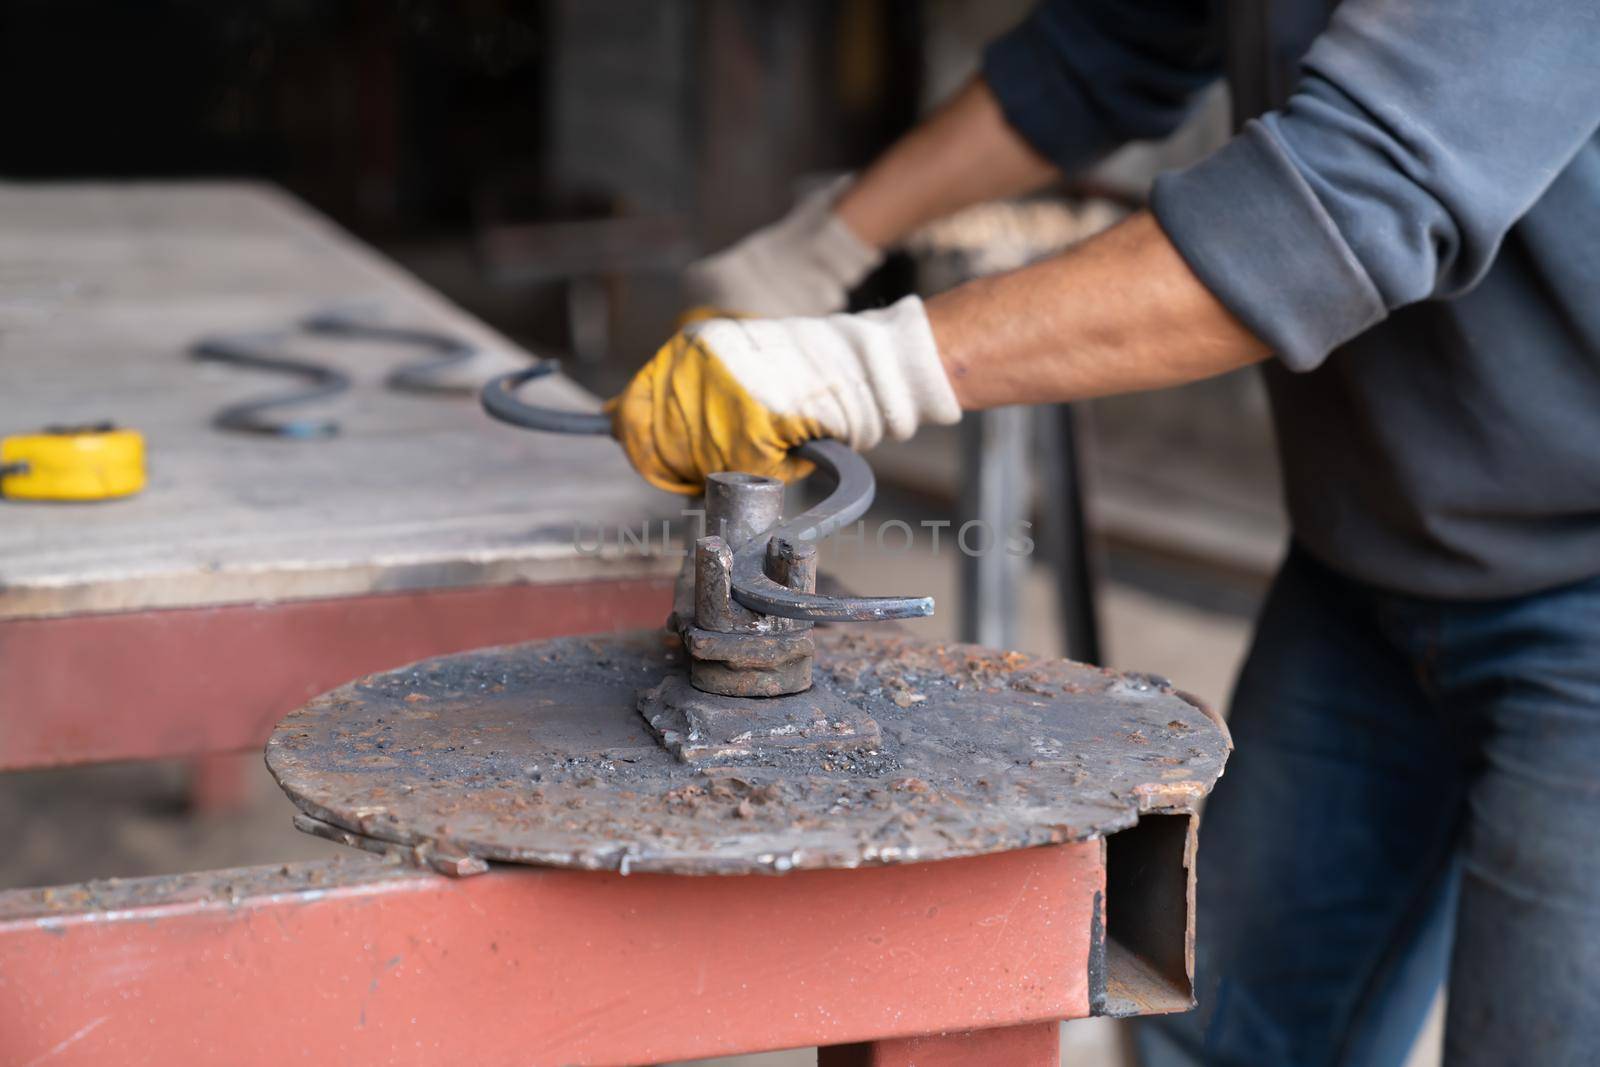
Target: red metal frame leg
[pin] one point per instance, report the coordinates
(1030, 1045)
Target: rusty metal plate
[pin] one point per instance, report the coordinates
(536, 753)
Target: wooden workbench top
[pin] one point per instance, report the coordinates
(102, 290)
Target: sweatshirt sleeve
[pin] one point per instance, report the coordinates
(1078, 78)
(1419, 132)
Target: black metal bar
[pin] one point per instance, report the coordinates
(420, 376)
(996, 492)
(499, 399)
(258, 352)
(850, 499)
(1065, 529)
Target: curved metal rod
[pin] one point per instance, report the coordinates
(852, 495)
(420, 376)
(499, 399)
(252, 351)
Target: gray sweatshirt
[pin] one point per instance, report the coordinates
(1411, 220)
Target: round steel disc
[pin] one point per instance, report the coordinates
(901, 752)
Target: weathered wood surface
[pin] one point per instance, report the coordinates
(102, 290)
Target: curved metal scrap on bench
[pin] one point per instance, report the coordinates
(263, 351)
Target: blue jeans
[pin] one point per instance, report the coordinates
(1414, 793)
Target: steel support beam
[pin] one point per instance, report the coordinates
(1067, 533)
(357, 964)
(996, 493)
(185, 682)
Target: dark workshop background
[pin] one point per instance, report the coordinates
(442, 131)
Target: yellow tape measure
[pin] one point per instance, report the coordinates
(98, 462)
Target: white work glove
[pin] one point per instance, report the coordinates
(806, 263)
(738, 394)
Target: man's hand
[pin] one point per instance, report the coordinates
(738, 394)
(1120, 312)
(804, 264)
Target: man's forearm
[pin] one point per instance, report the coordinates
(1118, 313)
(963, 154)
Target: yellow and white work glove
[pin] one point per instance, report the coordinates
(738, 394)
(804, 264)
